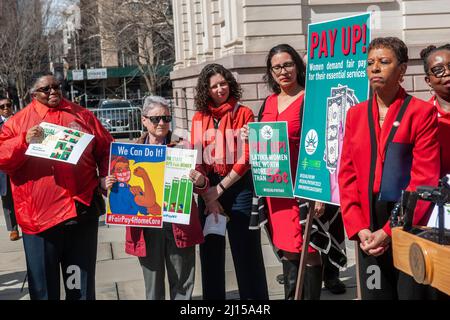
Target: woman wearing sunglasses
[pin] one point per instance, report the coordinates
(436, 62)
(173, 246)
(215, 134)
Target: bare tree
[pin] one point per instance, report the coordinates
(23, 44)
(142, 32)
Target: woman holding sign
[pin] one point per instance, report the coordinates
(173, 245)
(285, 76)
(390, 144)
(215, 133)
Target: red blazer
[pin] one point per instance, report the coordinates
(418, 128)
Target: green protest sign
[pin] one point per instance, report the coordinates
(336, 80)
(269, 159)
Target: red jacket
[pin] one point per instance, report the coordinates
(44, 190)
(185, 235)
(241, 116)
(418, 127)
(443, 136)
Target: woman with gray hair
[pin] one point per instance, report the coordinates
(173, 246)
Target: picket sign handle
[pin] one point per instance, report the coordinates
(304, 254)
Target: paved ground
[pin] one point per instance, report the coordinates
(119, 276)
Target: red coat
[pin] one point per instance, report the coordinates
(201, 141)
(443, 136)
(418, 127)
(185, 235)
(44, 190)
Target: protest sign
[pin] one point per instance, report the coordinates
(136, 198)
(178, 188)
(336, 80)
(59, 143)
(269, 159)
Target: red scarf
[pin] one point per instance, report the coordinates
(215, 142)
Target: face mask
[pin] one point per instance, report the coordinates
(123, 176)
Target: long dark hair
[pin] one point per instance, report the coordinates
(425, 54)
(202, 98)
(299, 65)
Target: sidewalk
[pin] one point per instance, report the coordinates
(119, 275)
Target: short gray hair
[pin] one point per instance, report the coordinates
(152, 102)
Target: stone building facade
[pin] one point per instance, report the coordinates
(239, 33)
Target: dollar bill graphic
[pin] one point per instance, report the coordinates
(334, 106)
(341, 100)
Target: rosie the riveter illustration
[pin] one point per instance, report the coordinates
(127, 199)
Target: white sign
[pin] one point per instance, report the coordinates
(77, 75)
(59, 143)
(177, 186)
(215, 224)
(96, 74)
(434, 219)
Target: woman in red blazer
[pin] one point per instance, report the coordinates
(390, 144)
(436, 61)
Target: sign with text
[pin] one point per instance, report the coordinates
(269, 159)
(59, 143)
(77, 75)
(336, 80)
(178, 188)
(93, 74)
(137, 196)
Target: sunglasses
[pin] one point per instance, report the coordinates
(5, 106)
(439, 71)
(157, 119)
(48, 89)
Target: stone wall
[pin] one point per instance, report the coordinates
(239, 33)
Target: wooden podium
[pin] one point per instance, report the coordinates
(427, 261)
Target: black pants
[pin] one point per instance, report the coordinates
(245, 247)
(379, 279)
(71, 246)
(8, 208)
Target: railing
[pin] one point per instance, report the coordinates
(120, 120)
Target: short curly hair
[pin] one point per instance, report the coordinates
(395, 44)
(202, 98)
(425, 54)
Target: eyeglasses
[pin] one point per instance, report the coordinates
(157, 119)
(5, 106)
(439, 71)
(288, 66)
(48, 89)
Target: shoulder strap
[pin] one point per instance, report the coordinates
(398, 119)
(261, 110)
(373, 159)
(301, 110)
